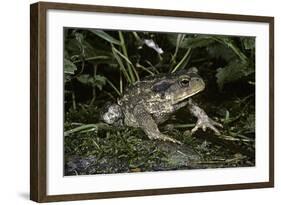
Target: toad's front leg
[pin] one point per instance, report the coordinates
(149, 126)
(203, 121)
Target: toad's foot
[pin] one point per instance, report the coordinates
(160, 136)
(149, 126)
(205, 123)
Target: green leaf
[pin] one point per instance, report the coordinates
(249, 42)
(197, 41)
(99, 81)
(99, 86)
(232, 72)
(96, 81)
(79, 37)
(68, 66)
(218, 50)
(85, 79)
(72, 46)
(228, 42)
(105, 36)
(250, 123)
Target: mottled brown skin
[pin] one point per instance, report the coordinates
(151, 101)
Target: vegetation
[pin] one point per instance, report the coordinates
(98, 65)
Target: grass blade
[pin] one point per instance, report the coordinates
(80, 128)
(113, 86)
(121, 65)
(105, 36)
(180, 38)
(132, 70)
(93, 58)
(123, 56)
(145, 69)
(183, 60)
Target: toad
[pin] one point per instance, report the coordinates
(151, 101)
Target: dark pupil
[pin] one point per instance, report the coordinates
(185, 82)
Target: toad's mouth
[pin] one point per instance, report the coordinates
(184, 97)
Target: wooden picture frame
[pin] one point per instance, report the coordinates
(38, 101)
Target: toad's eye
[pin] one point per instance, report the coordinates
(184, 82)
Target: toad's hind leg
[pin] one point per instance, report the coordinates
(149, 126)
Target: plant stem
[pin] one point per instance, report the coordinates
(137, 36)
(182, 60)
(152, 66)
(131, 68)
(145, 69)
(113, 86)
(180, 38)
(93, 86)
(73, 100)
(92, 58)
(124, 49)
(121, 65)
(120, 82)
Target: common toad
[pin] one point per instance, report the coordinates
(152, 100)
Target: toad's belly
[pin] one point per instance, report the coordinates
(130, 117)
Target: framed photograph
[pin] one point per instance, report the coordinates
(134, 102)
